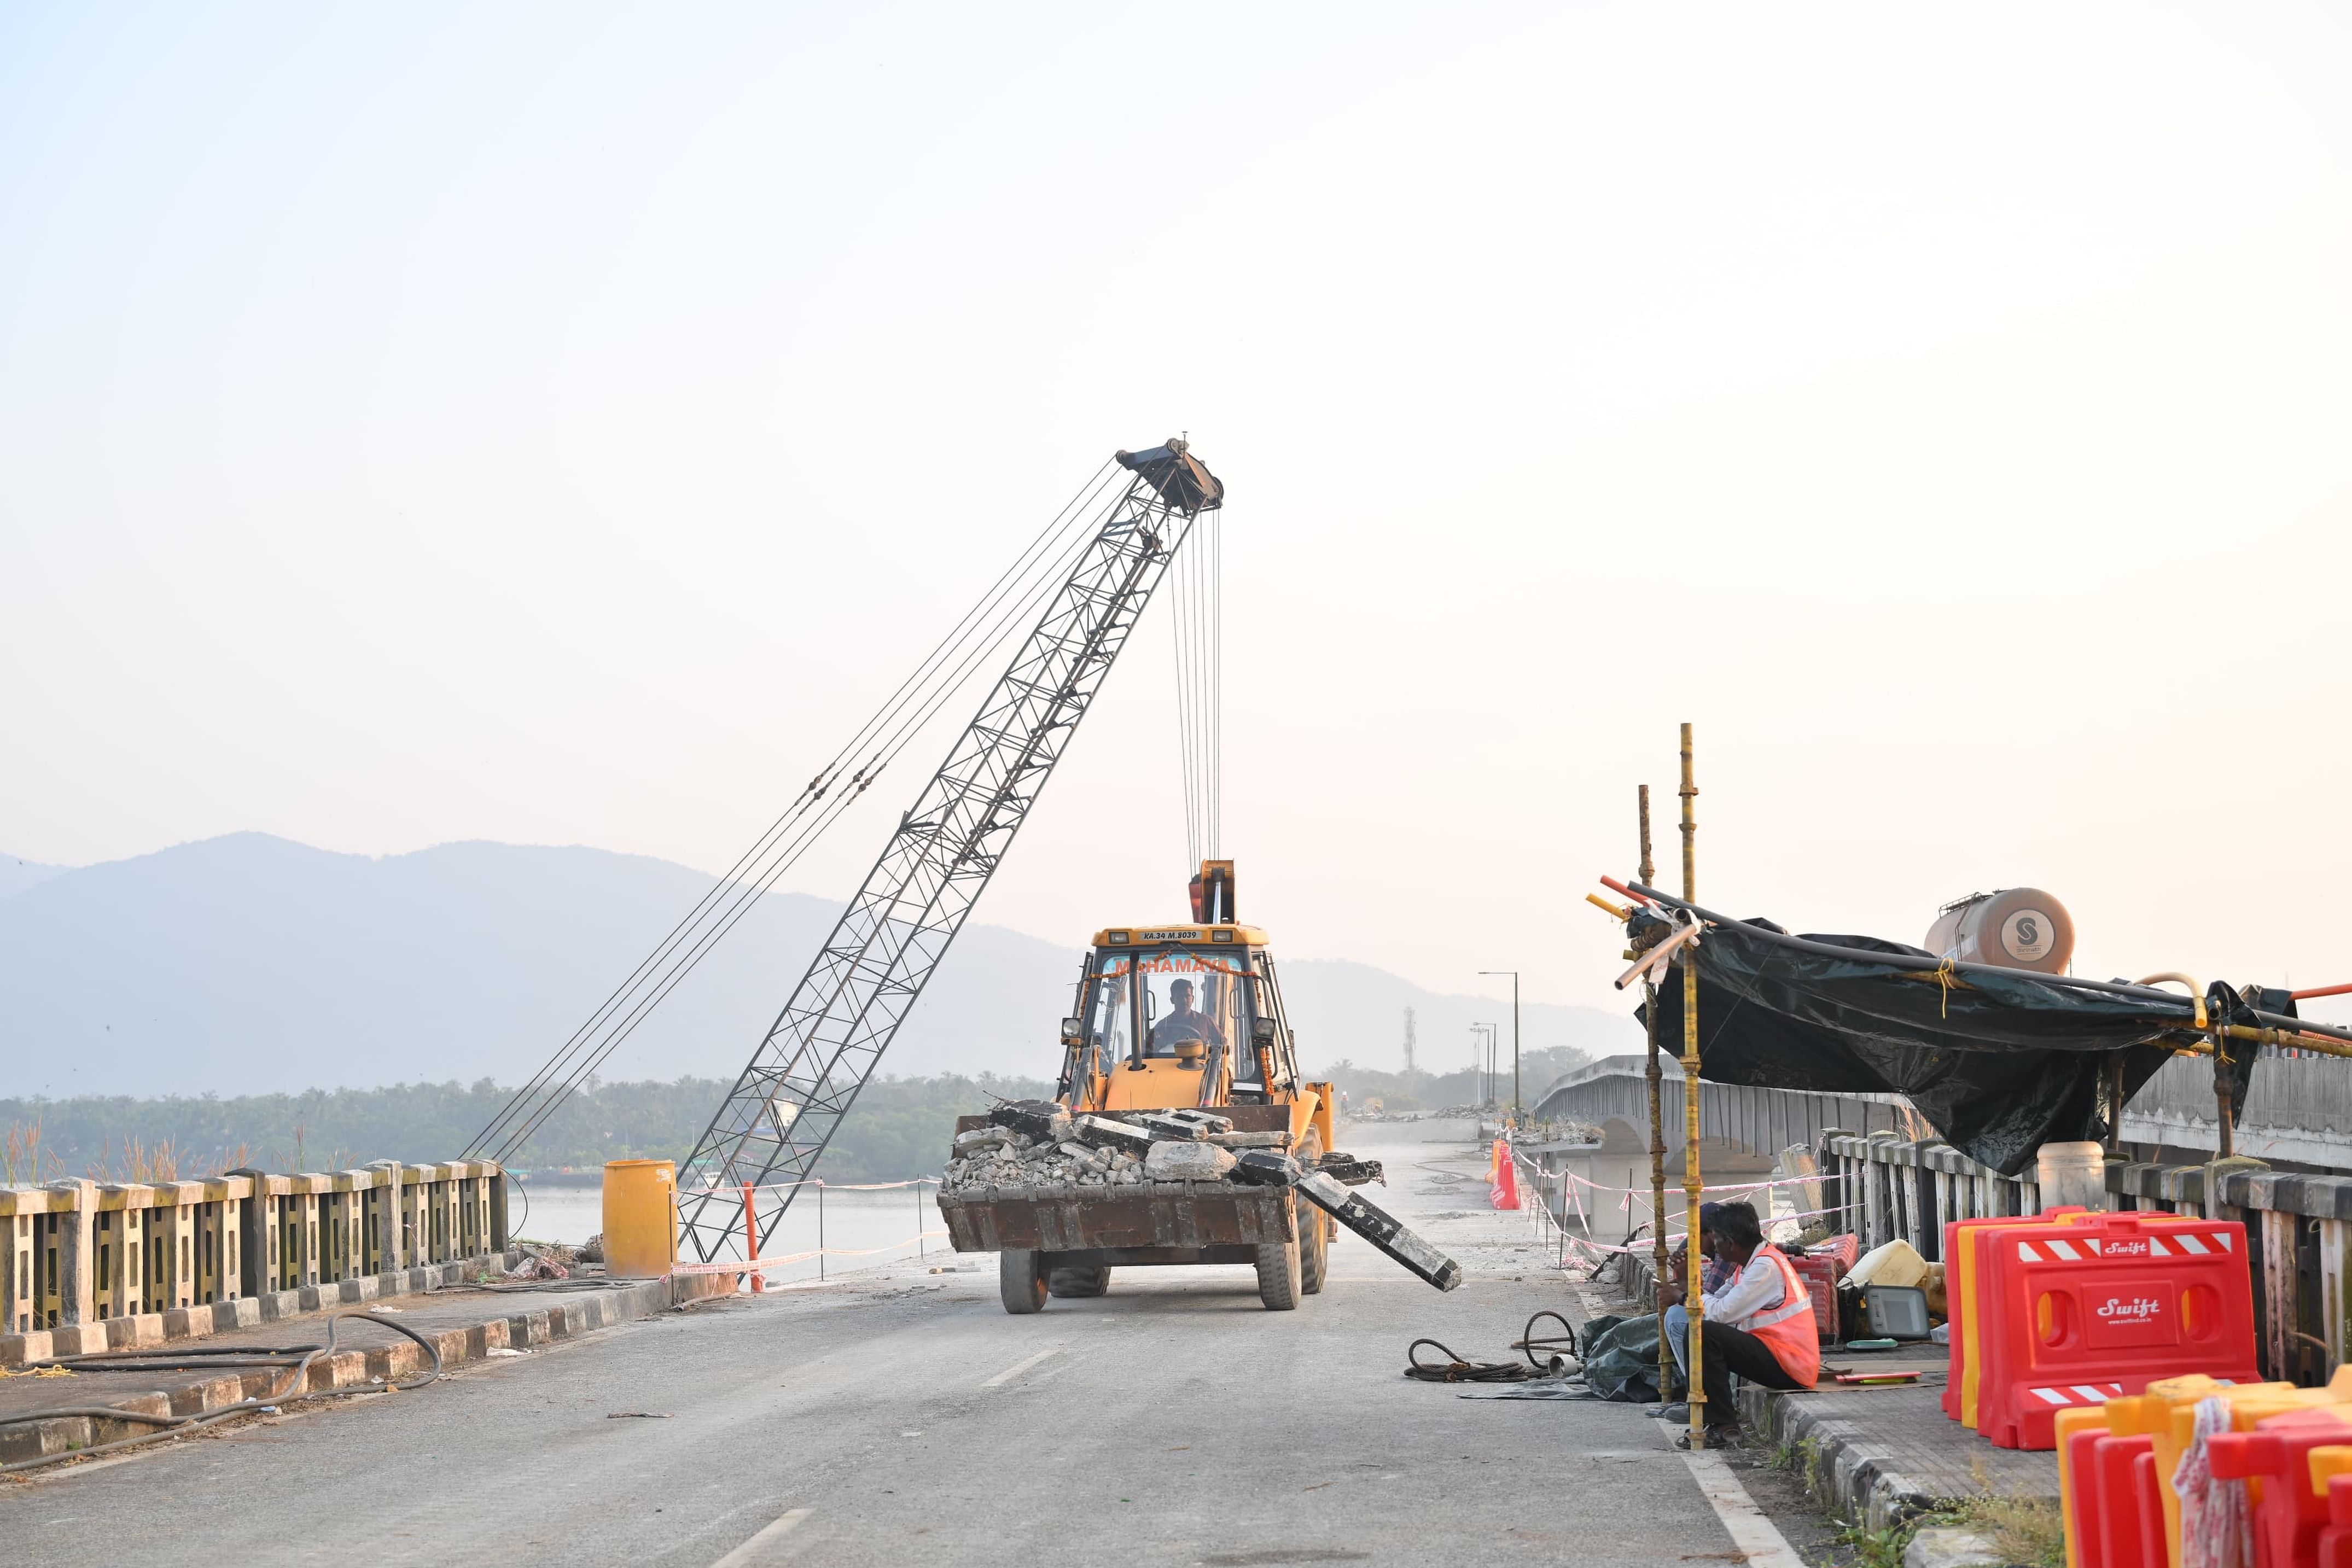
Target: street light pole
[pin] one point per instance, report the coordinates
(1514, 1041)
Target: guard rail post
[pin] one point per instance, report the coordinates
(15, 1270)
(499, 1233)
(253, 1232)
(77, 1265)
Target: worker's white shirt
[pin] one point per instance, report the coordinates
(1758, 1290)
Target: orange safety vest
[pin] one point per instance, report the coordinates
(1790, 1329)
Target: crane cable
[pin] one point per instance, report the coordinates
(1008, 604)
(921, 698)
(908, 720)
(1199, 627)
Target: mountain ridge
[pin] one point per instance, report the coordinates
(252, 963)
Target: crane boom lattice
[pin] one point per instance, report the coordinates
(809, 1069)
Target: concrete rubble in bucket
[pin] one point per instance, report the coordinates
(1038, 1142)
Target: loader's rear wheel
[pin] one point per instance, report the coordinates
(1314, 1228)
(1020, 1280)
(1079, 1281)
(1277, 1275)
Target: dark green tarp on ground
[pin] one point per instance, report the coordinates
(1621, 1358)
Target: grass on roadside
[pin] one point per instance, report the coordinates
(2026, 1532)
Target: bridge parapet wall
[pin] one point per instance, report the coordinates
(1883, 1188)
(104, 1255)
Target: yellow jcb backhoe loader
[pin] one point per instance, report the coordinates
(1184, 1019)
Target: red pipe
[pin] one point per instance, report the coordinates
(1638, 898)
(2321, 991)
(751, 1241)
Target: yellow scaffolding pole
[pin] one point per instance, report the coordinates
(1693, 1182)
(1660, 1266)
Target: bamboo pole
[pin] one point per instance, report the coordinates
(1655, 1074)
(2227, 1136)
(1693, 1182)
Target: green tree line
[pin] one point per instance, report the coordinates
(900, 1128)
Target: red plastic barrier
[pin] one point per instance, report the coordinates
(2082, 1313)
(2148, 1493)
(2123, 1512)
(1963, 1270)
(2335, 1541)
(2277, 1457)
(2078, 1493)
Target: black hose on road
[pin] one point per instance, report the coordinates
(199, 1360)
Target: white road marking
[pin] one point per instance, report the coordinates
(1752, 1530)
(1018, 1367)
(751, 1550)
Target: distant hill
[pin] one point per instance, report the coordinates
(16, 876)
(1355, 1012)
(251, 964)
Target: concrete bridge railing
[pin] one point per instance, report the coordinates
(76, 1253)
(2300, 1109)
(1613, 1094)
(1883, 1189)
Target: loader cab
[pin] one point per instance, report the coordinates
(1177, 1015)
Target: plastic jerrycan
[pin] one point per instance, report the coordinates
(2274, 1461)
(2150, 1415)
(1962, 1273)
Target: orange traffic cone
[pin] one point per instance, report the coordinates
(1505, 1180)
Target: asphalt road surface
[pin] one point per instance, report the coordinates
(902, 1418)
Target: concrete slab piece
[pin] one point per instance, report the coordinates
(1951, 1546)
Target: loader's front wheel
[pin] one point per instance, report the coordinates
(1020, 1280)
(1077, 1282)
(1314, 1250)
(1277, 1275)
(1314, 1228)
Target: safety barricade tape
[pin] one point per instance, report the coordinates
(2092, 1248)
(2076, 1395)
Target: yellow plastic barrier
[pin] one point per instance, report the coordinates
(1960, 1285)
(2328, 1463)
(640, 1217)
(2167, 1413)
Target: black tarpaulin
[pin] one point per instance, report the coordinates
(1999, 1063)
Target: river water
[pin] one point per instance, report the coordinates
(881, 1225)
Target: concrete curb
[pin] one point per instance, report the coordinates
(1839, 1470)
(147, 1331)
(357, 1368)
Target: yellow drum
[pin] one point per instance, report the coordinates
(640, 1217)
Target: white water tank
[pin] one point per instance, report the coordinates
(2016, 928)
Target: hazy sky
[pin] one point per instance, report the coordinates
(560, 425)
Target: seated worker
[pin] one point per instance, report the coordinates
(1759, 1326)
(1182, 1022)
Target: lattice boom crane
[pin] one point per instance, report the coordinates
(809, 1069)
